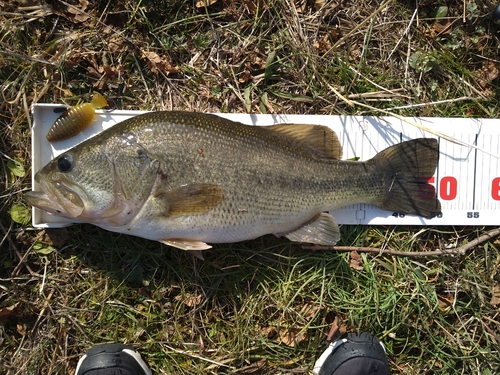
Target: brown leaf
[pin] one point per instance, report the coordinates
(7, 313)
(116, 44)
(487, 73)
(28, 3)
(253, 368)
(442, 28)
(318, 4)
(356, 261)
(245, 76)
(93, 72)
(292, 336)
(270, 332)
(110, 71)
(335, 331)
(204, 3)
(495, 295)
(72, 10)
(309, 309)
(322, 45)
(255, 5)
(159, 63)
(288, 336)
(445, 300)
(189, 299)
(22, 329)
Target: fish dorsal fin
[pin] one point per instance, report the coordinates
(320, 137)
(191, 199)
(321, 230)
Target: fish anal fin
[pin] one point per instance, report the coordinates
(193, 247)
(320, 137)
(321, 230)
(191, 199)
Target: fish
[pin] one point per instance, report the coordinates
(190, 180)
(74, 120)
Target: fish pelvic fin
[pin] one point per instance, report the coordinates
(321, 230)
(408, 166)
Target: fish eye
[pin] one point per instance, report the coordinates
(65, 163)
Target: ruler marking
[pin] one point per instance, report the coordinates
(436, 181)
(474, 176)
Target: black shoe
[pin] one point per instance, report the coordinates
(112, 359)
(496, 14)
(353, 354)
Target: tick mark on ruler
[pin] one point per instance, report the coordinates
(475, 170)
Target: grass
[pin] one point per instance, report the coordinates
(263, 306)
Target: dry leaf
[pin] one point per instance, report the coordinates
(28, 3)
(442, 28)
(159, 63)
(255, 6)
(9, 312)
(445, 300)
(318, 4)
(335, 331)
(72, 10)
(323, 45)
(292, 336)
(204, 3)
(245, 76)
(487, 73)
(288, 336)
(189, 299)
(253, 368)
(495, 295)
(270, 332)
(309, 309)
(22, 329)
(116, 44)
(356, 261)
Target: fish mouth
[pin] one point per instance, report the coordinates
(56, 197)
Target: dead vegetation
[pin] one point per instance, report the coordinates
(264, 306)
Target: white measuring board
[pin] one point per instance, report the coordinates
(467, 180)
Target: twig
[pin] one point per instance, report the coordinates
(461, 250)
(382, 251)
(22, 258)
(485, 237)
(26, 57)
(434, 103)
(183, 352)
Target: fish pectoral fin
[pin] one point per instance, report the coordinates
(320, 137)
(321, 230)
(191, 199)
(191, 246)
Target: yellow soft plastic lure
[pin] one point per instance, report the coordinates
(75, 119)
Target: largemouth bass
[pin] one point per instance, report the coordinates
(189, 179)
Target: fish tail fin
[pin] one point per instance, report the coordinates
(408, 167)
(98, 101)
